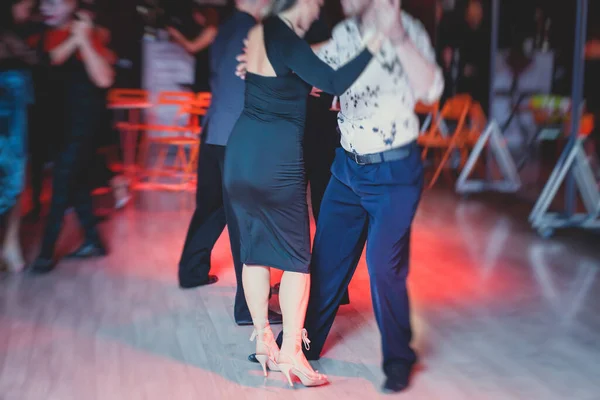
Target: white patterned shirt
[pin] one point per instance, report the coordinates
(377, 111)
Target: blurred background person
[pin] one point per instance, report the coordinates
(16, 93)
(474, 53)
(41, 148)
(207, 21)
(45, 109)
(102, 176)
(79, 68)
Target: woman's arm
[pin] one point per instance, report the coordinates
(97, 66)
(201, 42)
(63, 51)
(301, 59)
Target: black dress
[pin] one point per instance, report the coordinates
(264, 167)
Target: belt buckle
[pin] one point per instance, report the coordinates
(356, 159)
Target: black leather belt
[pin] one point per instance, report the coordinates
(396, 154)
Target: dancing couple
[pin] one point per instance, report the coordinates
(380, 62)
(372, 196)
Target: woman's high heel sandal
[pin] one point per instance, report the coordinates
(267, 350)
(297, 365)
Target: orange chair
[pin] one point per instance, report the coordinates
(196, 110)
(469, 138)
(190, 105)
(125, 97)
(430, 111)
(457, 109)
(133, 101)
(203, 99)
(167, 98)
(586, 125)
(175, 98)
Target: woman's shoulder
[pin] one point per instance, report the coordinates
(255, 34)
(275, 25)
(269, 29)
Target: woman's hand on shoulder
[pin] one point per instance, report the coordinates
(242, 59)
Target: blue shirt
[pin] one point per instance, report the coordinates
(227, 89)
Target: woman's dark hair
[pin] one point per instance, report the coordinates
(209, 13)
(334, 12)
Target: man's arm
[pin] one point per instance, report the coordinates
(91, 49)
(417, 57)
(97, 66)
(63, 51)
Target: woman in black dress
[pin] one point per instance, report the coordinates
(265, 178)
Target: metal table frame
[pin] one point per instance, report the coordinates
(572, 167)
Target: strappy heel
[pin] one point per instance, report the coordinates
(267, 351)
(297, 365)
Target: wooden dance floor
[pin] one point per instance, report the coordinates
(498, 314)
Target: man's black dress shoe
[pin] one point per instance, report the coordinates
(345, 299)
(209, 281)
(88, 250)
(42, 265)
(397, 378)
(274, 319)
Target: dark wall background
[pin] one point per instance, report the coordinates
(423, 10)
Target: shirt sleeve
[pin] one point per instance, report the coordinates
(420, 38)
(328, 53)
(299, 57)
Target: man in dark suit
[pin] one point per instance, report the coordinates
(213, 210)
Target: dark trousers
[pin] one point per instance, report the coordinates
(70, 186)
(321, 138)
(213, 212)
(372, 204)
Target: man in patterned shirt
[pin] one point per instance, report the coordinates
(376, 184)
